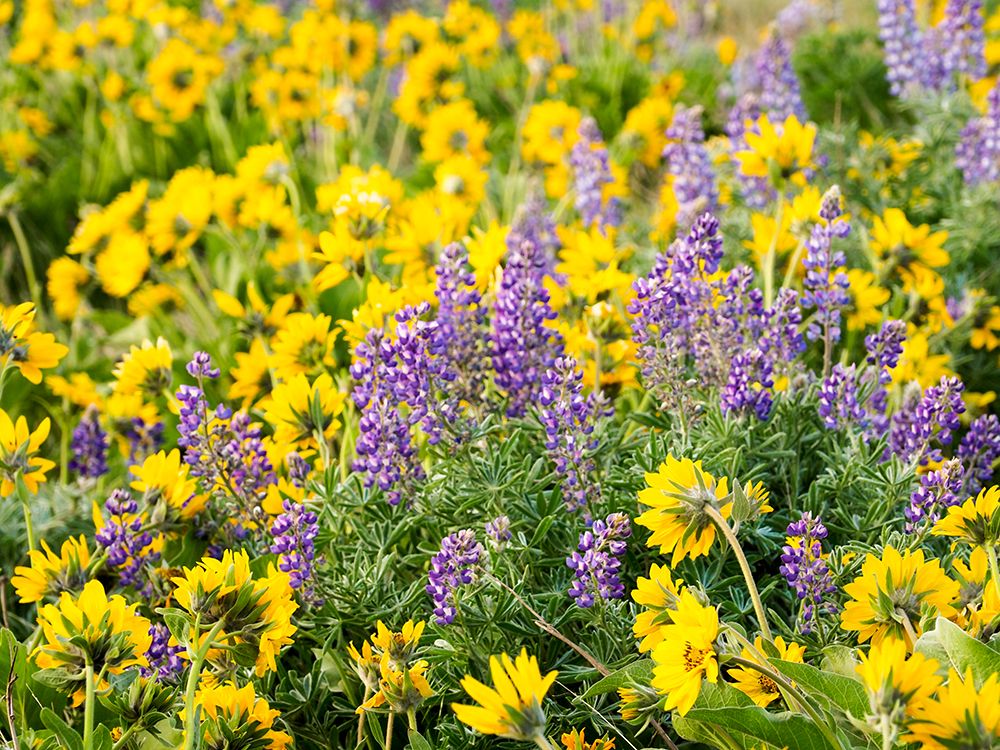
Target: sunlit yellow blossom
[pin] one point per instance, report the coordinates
(297, 404)
(19, 457)
(167, 489)
(897, 684)
(757, 686)
(303, 345)
(65, 277)
(50, 574)
(902, 247)
(454, 129)
(867, 299)
(576, 740)
(894, 593)
(658, 596)
(975, 522)
(513, 707)
(145, 370)
(784, 152)
(234, 716)
(23, 347)
(402, 689)
(686, 654)
(963, 715)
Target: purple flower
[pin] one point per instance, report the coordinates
(838, 399)
(598, 560)
(902, 40)
(451, 568)
(804, 568)
(979, 448)
(498, 532)
(569, 420)
(826, 282)
(589, 161)
(144, 439)
(165, 662)
(126, 543)
(935, 416)
(90, 447)
(977, 154)
(748, 387)
(690, 166)
(939, 490)
(522, 346)
(886, 347)
(295, 533)
(200, 367)
(780, 96)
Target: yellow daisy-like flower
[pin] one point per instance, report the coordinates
(963, 715)
(897, 684)
(232, 716)
(454, 129)
(145, 370)
(65, 277)
(21, 346)
(256, 612)
(398, 647)
(576, 740)
(784, 152)
(402, 689)
(894, 593)
(903, 247)
(50, 574)
(867, 298)
(302, 412)
(106, 632)
(686, 654)
(658, 596)
(19, 457)
(975, 522)
(167, 489)
(979, 597)
(303, 345)
(677, 495)
(513, 707)
(757, 686)
(367, 664)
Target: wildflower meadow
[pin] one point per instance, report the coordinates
(466, 374)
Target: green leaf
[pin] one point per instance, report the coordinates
(68, 738)
(843, 692)
(781, 730)
(964, 652)
(636, 672)
(417, 741)
(102, 738)
(54, 677)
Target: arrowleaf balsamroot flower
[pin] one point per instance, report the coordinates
(302, 411)
(513, 708)
(963, 715)
(28, 350)
(51, 574)
(104, 632)
(757, 686)
(896, 683)
(658, 596)
(785, 150)
(975, 522)
(686, 655)
(236, 717)
(677, 495)
(19, 454)
(894, 593)
(145, 370)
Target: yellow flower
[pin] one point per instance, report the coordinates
(232, 716)
(917, 363)
(894, 593)
(576, 740)
(301, 412)
(406, 34)
(550, 131)
(867, 298)
(513, 708)
(105, 631)
(658, 595)
(51, 574)
(251, 375)
(760, 688)
(175, 221)
(145, 370)
(255, 612)
(167, 489)
(399, 647)
(79, 389)
(985, 326)
(28, 350)
(897, 684)
(645, 128)
(727, 49)
(256, 317)
(65, 277)
(686, 654)
(904, 247)
(122, 264)
(403, 689)
(367, 665)
(963, 715)
(19, 454)
(979, 597)
(303, 345)
(975, 522)
(677, 495)
(784, 152)
(454, 129)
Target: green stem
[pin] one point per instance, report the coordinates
(991, 554)
(192, 724)
(388, 730)
(29, 527)
(734, 544)
(88, 707)
(125, 735)
(25, 252)
(767, 263)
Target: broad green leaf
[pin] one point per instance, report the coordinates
(417, 741)
(68, 737)
(636, 672)
(965, 652)
(843, 692)
(780, 730)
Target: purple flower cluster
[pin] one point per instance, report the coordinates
(90, 447)
(126, 543)
(498, 532)
(826, 282)
(884, 350)
(756, 191)
(977, 154)
(838, 399)
(935, 416)
(780, 95)
(979, 448)
(596, 563)
(901, 39)
(144, 439)
(690, 167)
(569, 419)
(805, 569)
(747, 389)
(295, 533)
(461, 324)
(938, 490)
(451, 568)
(165, 661)
(589, 161)
(533, 225)
(522, 346)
